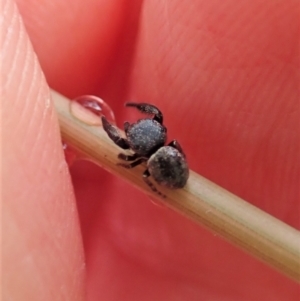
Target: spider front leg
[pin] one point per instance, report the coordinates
(113, 134)
(147, 109)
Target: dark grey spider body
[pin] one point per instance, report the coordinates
(168, 167)
(146, 138)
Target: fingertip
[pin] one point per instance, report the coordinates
(41, 223)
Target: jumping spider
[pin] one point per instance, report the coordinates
(147, 138)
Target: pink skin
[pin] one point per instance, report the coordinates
(224, 73)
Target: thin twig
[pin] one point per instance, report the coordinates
(246, 226)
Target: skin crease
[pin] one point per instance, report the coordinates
(225, 75)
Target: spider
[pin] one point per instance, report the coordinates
(146, 138)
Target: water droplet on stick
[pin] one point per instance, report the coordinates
(89, 109)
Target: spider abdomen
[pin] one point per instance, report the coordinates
(168, 167)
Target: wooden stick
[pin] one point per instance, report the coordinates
(246, 226)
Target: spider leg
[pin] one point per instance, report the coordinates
(113, 134)
(126, 126)
(128, 157)
(175, 144)
(133, 164)
(147, 109)
(146, 175)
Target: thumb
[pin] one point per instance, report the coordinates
(42, 247)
